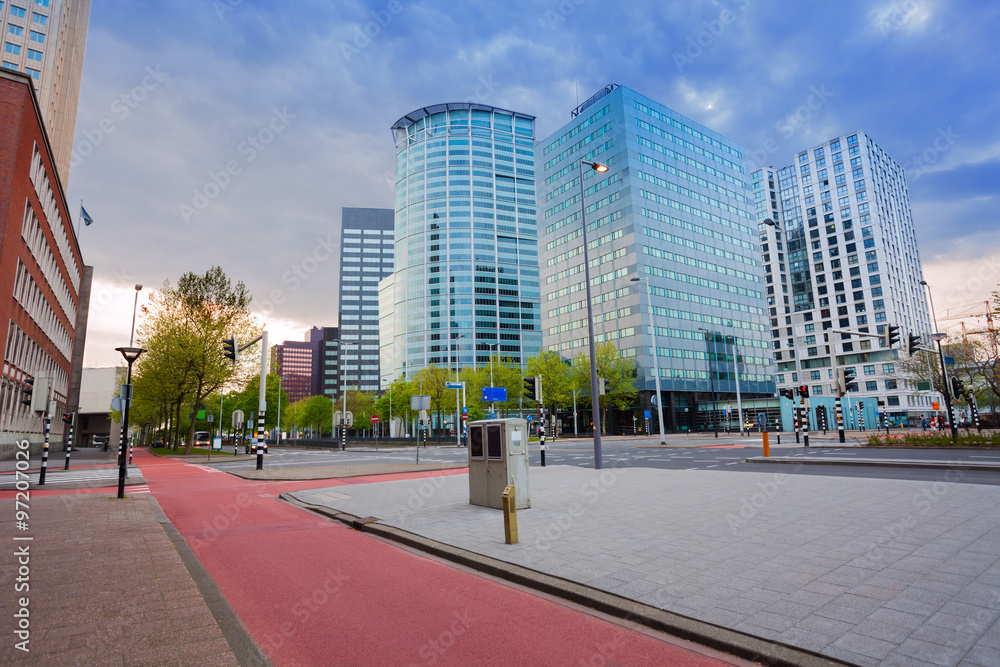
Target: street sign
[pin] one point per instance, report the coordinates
(948, 361)
(237, 418)
(935, 405)
(493, 415)
(465, 417)
(116, 403)
(374, 419)
(494, 394)
(647, 414)
(923, 386)
(762, 418)
(211, 418)
(420, 402)
(465, 410)
(454, 385)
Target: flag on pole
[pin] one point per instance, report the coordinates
(87, 220)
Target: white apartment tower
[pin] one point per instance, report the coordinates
(46, 39)
(842, 255)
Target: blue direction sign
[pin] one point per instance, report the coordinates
(494, 394)
(762, 418)
(454, 385)
(465, 411)
(493, 415)
(647, 414)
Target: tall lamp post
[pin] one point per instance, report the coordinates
(736, 369)
(938, 337)
(343, 374)
(595, 403)
(711, 377)
(135, 306)
(131, 354)
(458, 402)
(656, 362)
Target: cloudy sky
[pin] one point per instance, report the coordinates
(232, 132)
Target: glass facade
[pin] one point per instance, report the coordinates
(466, 238)
(366, 257)
(673, 209)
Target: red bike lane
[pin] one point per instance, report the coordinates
(311, 591)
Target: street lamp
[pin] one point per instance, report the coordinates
(656, 362)
(343, 373)
(595, 404)
(711, 377)
(736, 369)
(458, 403)
(135, 306)
(131, 354)
(938, 337)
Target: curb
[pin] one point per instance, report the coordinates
(763, 651)
(239, 639)
(877, 463)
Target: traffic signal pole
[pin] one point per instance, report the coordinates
(69, 439)
(262, 402)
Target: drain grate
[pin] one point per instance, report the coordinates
(359, 523)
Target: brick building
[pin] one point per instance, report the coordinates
(41, 268)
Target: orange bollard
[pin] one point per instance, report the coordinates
(767, 450)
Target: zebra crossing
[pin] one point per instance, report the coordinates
(87, 477)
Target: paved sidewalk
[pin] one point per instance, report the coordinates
(868, 571)
(106, 586)
(289, 473)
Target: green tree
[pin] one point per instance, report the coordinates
(432, 381)
(399, 393)
(618, 371)
(315, 412)
(555, 374)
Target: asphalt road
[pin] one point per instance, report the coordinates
(725, 454)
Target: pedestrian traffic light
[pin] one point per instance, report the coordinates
(788, 393)
(957, 388)
(530, 388)
(804, 391)
(847, 377)
(914, 344)
(891, 335)
(27, 390)
(231, 348)
(68, 417)
(602, 386)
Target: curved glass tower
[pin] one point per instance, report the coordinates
(466, 267)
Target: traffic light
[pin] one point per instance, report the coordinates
(231, 348)
(602, 386)
(530, 389)
(27, 390)
(892, 335)
(914, 344)
(957, 388)
(847, 377)
(804, 391)
(788, 393)
(68, 417)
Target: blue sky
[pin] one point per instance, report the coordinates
(232, 132)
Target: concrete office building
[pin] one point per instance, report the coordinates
(46, 40)
(673, 209)
(842, 255)
(41, 269)
(366, 257)
(466, 276)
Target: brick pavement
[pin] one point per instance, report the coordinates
(869, 571)
(107, 587)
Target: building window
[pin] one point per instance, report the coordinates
(890, 384)
(34, 55)
(40, 19)
(892, 400)
(871, 386)
(35, 74)
(42, 3)
(8, 65)
(869, 370)
(888, 369)
(12, 48)
(37, 37)
(15, 30)
(17, 11)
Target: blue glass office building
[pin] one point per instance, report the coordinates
(674, 208)
(466, 235)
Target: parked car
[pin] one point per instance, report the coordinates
(101, 440)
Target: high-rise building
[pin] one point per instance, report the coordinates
(293, 362)
(46, 40)
(673, 210)
(41, 269)
(842, 256)
(466, 276)
(366, 257)
(326, 360)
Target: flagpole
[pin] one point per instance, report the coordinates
(79, 218)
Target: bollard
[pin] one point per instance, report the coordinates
(779, 438)
(509, 516)
(767, 450)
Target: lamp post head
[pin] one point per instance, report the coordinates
(138, 287)
(596, 166)
(770, 223)
(635, 280)
(923, 282)
(938, 337)
(130, 353)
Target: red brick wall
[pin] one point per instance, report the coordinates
(20, 130)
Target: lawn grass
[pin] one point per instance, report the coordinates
(987, 439)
